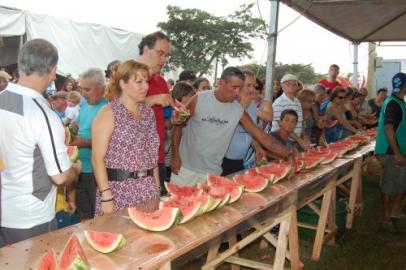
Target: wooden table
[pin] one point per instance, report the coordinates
(146, 250)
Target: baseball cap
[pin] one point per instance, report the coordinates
(187, 75)
(398, 82)
(289, 77)
(60, 94)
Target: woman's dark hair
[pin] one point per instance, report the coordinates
(150, 40)
(232, 72)
(259, 85)
(182, 89)
(336, 91)
(197, 82)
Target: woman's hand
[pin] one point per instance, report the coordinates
(107, 208)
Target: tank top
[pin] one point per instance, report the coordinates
(208, 133)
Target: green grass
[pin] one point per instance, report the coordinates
(367, 246)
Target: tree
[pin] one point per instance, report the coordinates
(199, 38)
(305, 73)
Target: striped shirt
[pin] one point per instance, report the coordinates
(284, 103)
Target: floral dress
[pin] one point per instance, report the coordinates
(133, 147)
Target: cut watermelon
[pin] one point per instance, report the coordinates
(157, 221)
(205, 200)
(311, 161)
(328, 158)
(48, 261)
(252, 183)
(279, 171)
(188, 208)
(234, 189)
(217, 192)
(300, 165)
(73, 152)
(104, 242)
(69, 135)
(73, 256)
(182, 191)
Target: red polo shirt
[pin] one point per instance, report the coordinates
(157, 85)
(330, 85)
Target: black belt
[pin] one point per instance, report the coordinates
(121, 175)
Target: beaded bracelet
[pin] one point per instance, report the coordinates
(108, 200)
(101, 191)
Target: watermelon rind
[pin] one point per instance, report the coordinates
(215, 204)
(327, 160)
(138, 216)
(47, 261)
(109, 245)
(236, 193)
(224, 201)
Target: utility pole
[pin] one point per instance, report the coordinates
(272, 37)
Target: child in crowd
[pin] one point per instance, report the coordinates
(287, 125)
(73, 108)
(182, 92)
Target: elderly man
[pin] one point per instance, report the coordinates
(34, 155)
(391, 147)
(331, 81)
(59, 103)
(91, 85)
(199, 149)
(154, 50)
(286, 101)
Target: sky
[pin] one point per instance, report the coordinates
(302, 42)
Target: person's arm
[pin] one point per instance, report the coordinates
(266, 113)
(81, 142)
(303, 142)
(338, 115)
(69, 175)
(160, 99)
(176, 137)
(102, 129)
(269, 142)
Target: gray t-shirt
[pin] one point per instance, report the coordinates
(208, 133)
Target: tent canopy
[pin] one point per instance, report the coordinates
(355, 20)
(80, 45)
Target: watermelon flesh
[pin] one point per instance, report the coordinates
(104, 242)
(182, 191)
(159, 220)
(188, 208)
(300, 165)
(73, 152)
(231, 187)
(252, 183)
(279, 171)
(48, 261)
(73, 256)
(205, 200)
(217, 192)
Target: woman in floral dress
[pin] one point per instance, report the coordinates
(125, 144)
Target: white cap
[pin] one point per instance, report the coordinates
(289, 77)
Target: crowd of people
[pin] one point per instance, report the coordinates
(131, 137)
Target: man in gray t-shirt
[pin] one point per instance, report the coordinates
(200, 148)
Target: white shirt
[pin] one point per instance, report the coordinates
(284, 103)
(72, 112)
(31, 153)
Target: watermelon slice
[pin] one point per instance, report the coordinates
(217, 192)
(188, 208)
(234, 189)
(205, 200)
(159, 220)
(181, 191)
(312, 161)
(73, 152)
(73, 256)
(104, 242)
(48, 261)
(69, 135)
(328, 158)
(252, 183)
(300, 165)
(279, 171)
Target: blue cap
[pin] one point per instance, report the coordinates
(398, 82)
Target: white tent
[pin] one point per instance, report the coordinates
(80, 45)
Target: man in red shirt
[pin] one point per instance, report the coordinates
(331, 81)
(154, 50)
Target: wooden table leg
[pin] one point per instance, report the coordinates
(355, 184)
(280, 255)
(295, 262)
(325, 207)
(232, 240)
(331, 218)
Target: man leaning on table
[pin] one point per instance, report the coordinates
(391, 148)
(32, 148)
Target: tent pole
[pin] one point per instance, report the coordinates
(355, 65)
(272, 38)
